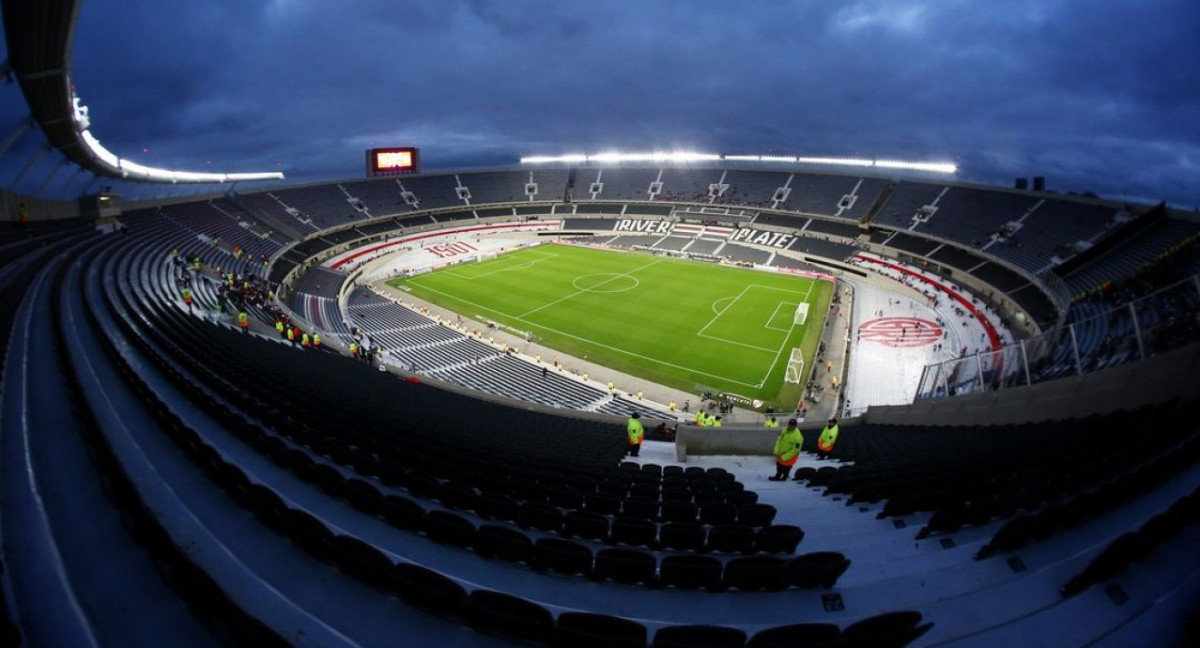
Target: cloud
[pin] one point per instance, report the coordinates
(1094, 95)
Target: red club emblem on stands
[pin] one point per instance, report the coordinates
(900, 331)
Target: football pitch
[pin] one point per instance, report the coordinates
(686, 324)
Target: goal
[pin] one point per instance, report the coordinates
(795, 367)
(801, 315)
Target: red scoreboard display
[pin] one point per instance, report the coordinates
(392, 161)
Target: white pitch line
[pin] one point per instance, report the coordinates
(580, 292)
(741, 344)
(723, 310)
(508, 268)
(601, 345)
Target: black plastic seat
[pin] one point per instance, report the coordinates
(537, 515)
(679, 512)
(510, 616)
(364, 496)
(779, 538)
(651, 469)
(633, 532)
(602, 503)
(818, 569)
(757, 573)
(562, 556)
(625, 566)
(731, 538)
(491, 506)
(889, 630)
(309, 532)
(756, 515)
(640, 508)
(718, 513)
(444, 527)
(672, 471)
(708, 496)
(428, 589)
(493, 541)
(797, 635)
(579, 629)
(403, 513)
(457, 496)
(741, 498)
(566, 498)
(683, 536)
(691, 572)
(699, 636)
(362, 560)
(676, 495)
(422, 485)
(585, 524)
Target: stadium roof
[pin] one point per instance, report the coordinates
(39, 36)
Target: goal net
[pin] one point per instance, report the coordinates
(801, 314)
(795, 367)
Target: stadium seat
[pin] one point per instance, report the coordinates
(699, 636)
(364, 496)
(741, 498)
(562, 556)
(624, 566)
(640, 508)
(362, 560)
(633, 532)
(797, 635)
(676, 495)
(510, 616)
(691, 572)
(493, 541)
(679, 512)
(819, 569)
(757, 573)
(889, 630)
(491, 506)
(428, 589)
(683, 536)
(444, 527)
(731, 538)
(538, 515)
(718, 513)
(403, 513)
(586, 629)
(585, 524)
(458, 496)
(781, 538)
(756, 515)
(602, 503)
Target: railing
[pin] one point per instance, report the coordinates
(1161, 321)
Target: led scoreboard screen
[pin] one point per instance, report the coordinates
(392, 161)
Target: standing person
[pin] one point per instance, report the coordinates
(291, 335)
(353, 349)
(243, 321)
(828, 437)
(316, 340)
(771, 423)
(635, 432)
(787, 450)
(187, 297)
(279, 328)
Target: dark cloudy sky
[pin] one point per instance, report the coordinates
(1093, 94)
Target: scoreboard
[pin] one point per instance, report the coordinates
(393, 161)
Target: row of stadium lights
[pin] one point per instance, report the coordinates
(134, 171)
(683, 157)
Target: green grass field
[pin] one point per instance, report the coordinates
(685, 324)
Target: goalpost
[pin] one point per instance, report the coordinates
(801, 314)
(795, 367)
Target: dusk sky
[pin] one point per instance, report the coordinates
(1097, 95)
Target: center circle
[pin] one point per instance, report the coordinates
(605, 282)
